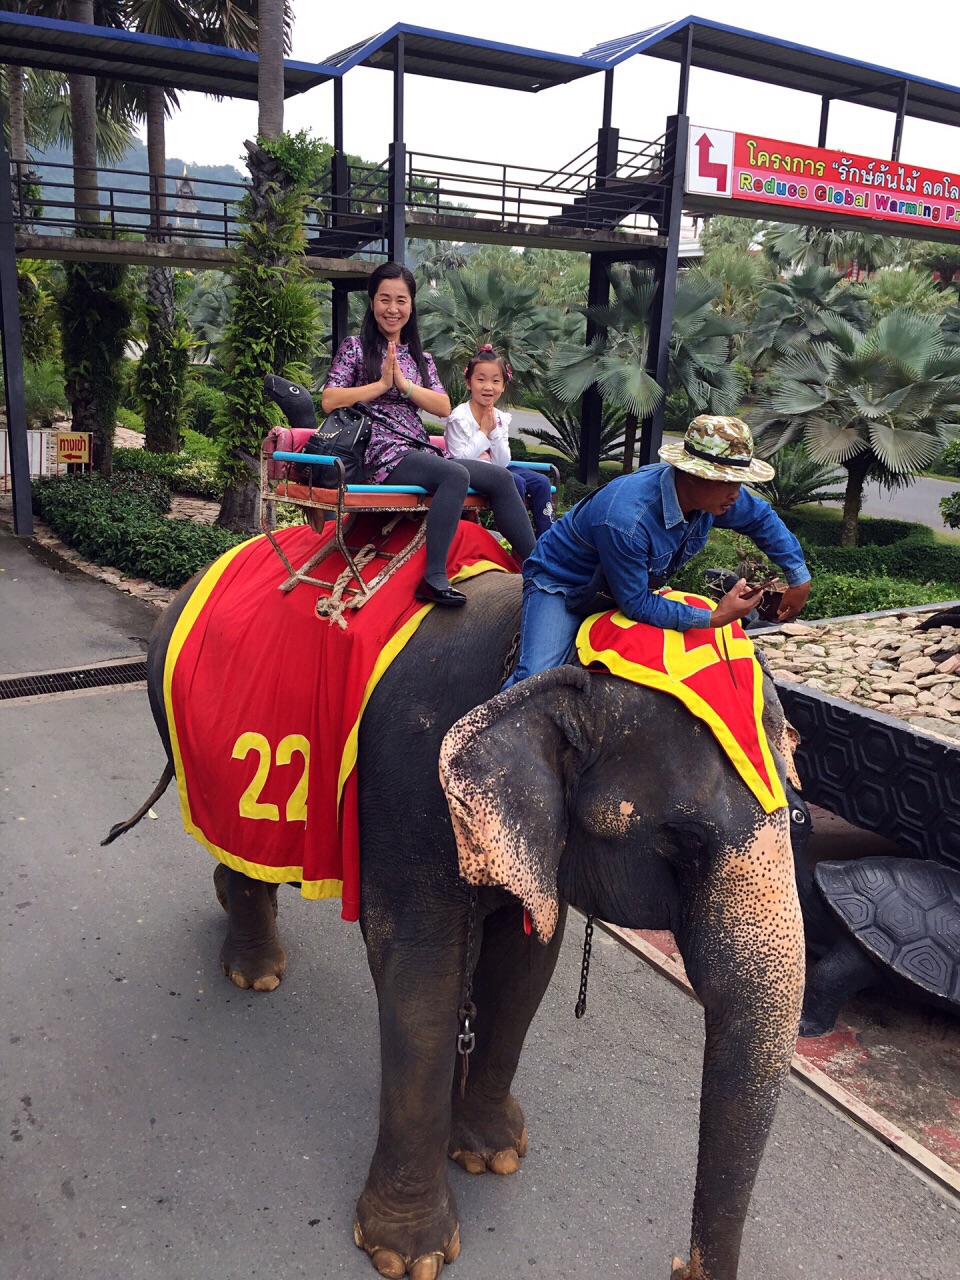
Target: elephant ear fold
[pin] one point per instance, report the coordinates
(506, 769)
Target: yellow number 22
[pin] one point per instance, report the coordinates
(250, 804)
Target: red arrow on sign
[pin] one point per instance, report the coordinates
(706, 168)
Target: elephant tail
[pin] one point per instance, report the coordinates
(151, 800)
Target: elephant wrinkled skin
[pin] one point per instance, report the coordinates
(573, 787)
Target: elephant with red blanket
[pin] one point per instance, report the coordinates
(600, 794)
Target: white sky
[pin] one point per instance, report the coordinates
(550, 128)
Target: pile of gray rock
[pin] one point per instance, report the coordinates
(885, 663)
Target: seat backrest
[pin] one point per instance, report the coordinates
(283, 440)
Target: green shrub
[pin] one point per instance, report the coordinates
(203, 403)
(130, 419)
(170, 552)
(950, 509)
(140, 462)
(834, 595)
(196, 445)
(119, 522)
(912, 559)
(43, 391)
(197, 477)
(948, 464)
(823, 529)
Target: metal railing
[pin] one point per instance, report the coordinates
(47, 203)
(523, 193)
(352, 199)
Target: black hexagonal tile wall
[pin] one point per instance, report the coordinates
(878, 772)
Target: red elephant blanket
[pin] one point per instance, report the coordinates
(712, 670)
(264, 701)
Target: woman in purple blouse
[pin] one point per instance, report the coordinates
(387, 368)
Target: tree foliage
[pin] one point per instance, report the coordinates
(874, 403)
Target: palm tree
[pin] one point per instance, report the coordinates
(476, 307)
(271, 25)
(876, 403)
(796, 310)
(791, 246)
(800, 480)
(565, 433)
(905, 287)
(617, 363)
(741, 275)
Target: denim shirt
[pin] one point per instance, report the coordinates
(634, 529)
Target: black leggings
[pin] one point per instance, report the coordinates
(448, 480)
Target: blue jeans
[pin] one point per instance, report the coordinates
(534, 488)
(547, 632)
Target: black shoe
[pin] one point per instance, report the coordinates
(438, 595)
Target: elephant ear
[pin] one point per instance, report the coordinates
(507, 769)
(781, 734)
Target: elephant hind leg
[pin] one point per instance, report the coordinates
(252, 954)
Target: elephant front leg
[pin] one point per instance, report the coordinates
(252, 954)
(742, 943)
(406, 1214)
(512, 973)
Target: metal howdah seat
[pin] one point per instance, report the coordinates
(285, 477)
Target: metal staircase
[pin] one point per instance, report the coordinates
(633, 187)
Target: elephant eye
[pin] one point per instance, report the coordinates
(798, 815)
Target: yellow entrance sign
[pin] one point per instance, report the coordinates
(73, 446)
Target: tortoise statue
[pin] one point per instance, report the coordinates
(874, 922)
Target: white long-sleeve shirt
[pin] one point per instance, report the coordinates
(465, 439)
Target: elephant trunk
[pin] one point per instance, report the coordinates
(743, 947)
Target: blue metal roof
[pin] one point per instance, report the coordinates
(52, 45)
(454, 57)
(769, 60)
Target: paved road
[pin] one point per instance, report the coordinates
(162, 1125)
(920, 502)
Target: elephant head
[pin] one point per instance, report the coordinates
(578, 785)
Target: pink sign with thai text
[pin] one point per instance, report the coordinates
(764, 171)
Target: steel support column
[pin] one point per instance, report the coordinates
(661, 315)
(824, 121)
(397, 195)
(898, 126)
(339, 170)
(12, 354)
(591, 405)
(339, 299)
(686, 61)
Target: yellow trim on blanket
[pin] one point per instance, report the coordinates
(387, 654)
(313, 890)
(770, 797)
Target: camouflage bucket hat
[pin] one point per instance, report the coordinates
(717, 448)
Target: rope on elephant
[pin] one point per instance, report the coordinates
(332, 607)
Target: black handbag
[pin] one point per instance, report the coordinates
(345, 434)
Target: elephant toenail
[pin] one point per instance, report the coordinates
(428, 1267)
(357, 1235)
(505, 1162)
(470, 1161)
(389, 1264)
(453, 1248)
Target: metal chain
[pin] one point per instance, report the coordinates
(581, 1006)
(467, 1012)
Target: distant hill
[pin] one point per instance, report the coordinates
(213, 183)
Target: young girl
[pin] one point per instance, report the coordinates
(477, 429)
(388, 368)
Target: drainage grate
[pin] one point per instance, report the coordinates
(67, 681)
